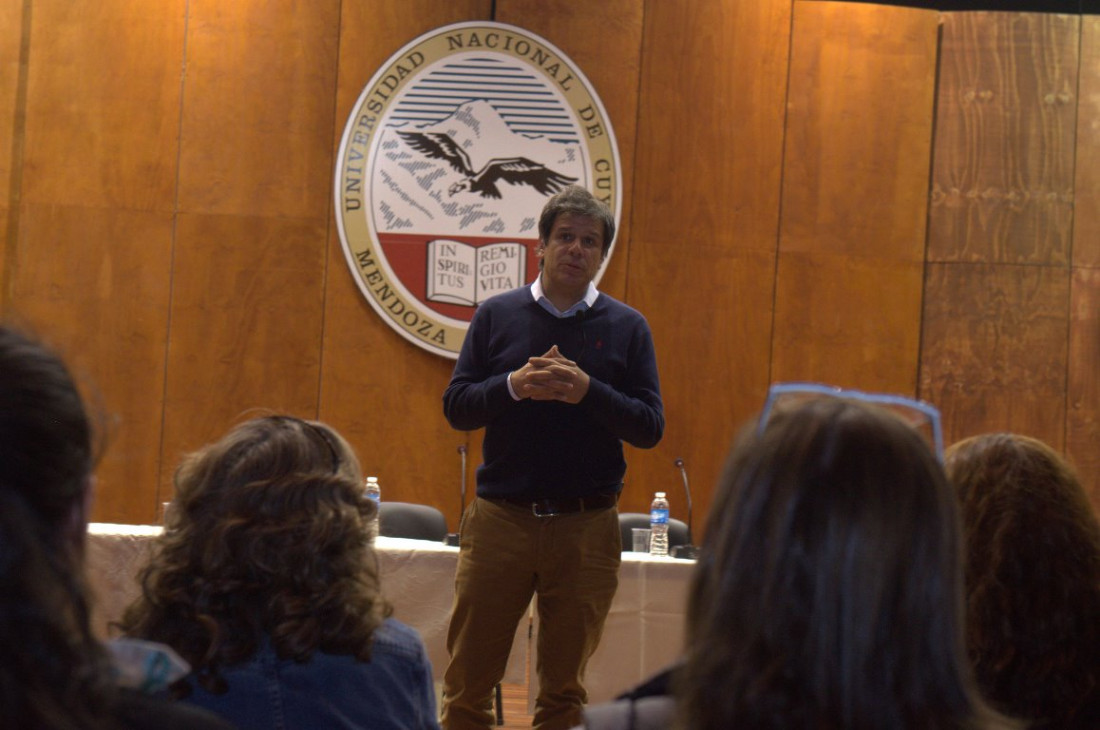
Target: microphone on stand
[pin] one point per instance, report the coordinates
(462, 451)
(452, 537)
(689, 551)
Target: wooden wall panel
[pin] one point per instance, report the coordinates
(264, 313)
(91, 283)
(1002, 185)
(103, 106)
(995, 343)
(710, 350)
(382, 393)
(1083, 391)
(8, 248)
(847, 320)
(859, 130)
(1086, 212)
(11, 40)
(255, 168)
(1083, 388)
(705, 211)
(246, 326)
(258, 107)
(97, 187)
(852, 232)
(995, 348)
(713, 88)
(13, 32)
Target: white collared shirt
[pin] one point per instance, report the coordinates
(585, 303)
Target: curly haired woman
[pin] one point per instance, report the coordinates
(1032, 580)
(266, 581)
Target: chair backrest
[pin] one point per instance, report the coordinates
(677, 529)
(416, 521)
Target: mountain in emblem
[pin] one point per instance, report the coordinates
(417, 190)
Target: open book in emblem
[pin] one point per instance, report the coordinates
(459, 273)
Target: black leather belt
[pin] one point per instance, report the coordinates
(560, 505)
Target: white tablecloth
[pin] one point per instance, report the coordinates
(644, 630)
(643, 634)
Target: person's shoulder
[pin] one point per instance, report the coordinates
(647, 713)
(394, 637)
(510, 298)
(140, 711)
(618, 310)
(393, 630)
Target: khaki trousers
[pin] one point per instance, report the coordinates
(507, 554)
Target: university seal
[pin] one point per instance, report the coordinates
(449, 154)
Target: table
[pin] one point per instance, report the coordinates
(643, 633)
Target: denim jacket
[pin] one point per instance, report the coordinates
(393, 690)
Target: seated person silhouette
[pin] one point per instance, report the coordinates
(828, 590)
(54, 674)
(1032, 580)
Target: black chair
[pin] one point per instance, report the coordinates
(415, 521)
(678, 533)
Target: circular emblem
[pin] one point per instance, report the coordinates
(447, 159)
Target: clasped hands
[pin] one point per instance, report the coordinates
(551, 376)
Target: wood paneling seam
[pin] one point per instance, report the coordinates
(928, 207)
(779, 207)
(1066, 405)
(18, 139)
(337, 131)
(159, 498)
(634, 157)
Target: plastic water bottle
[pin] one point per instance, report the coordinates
(373, 490)
(658, 525)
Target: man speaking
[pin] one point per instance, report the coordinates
(559, 375)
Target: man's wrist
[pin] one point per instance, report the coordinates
(511, 390)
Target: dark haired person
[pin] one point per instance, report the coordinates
(559, 375)
(266, 581)
(1032, 580)
(54, 674)
(828, 592)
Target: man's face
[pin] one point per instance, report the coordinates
(572, 253)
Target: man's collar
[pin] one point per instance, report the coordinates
(539, 296)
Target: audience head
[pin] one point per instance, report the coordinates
(268, 538)
(829, 588)
(1032, 579)
(46, 453)
(52, 673)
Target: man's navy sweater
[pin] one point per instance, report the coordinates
(537, 449)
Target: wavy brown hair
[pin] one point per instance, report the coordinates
(1032, 579)
(828, 594)
(268, 538)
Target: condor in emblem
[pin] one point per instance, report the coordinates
(447, 158)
